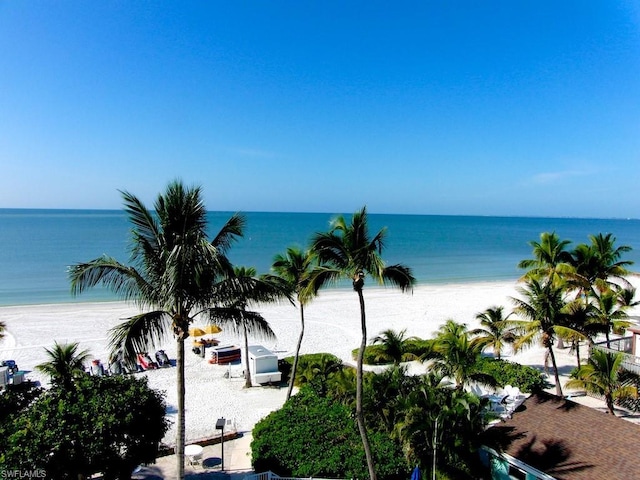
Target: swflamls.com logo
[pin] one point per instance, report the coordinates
(37, 473)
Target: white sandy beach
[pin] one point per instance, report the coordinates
(333, 325)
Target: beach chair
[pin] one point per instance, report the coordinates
(96, 369)
(145, 362)
(162, 359)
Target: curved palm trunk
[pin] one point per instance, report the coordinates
(609, 400)
(555, 370)
(247, 372)
(295, 359)
(359, 375)
(180, 424)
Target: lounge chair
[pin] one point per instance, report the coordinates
(145, 362)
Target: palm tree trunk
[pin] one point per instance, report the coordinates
(609, 399)
(295, 359)
(555, 370)
(359, 375)
(180, 424)
(247, 372)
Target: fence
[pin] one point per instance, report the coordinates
(272, 476)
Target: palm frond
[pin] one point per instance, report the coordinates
(124, 281)
(139, 333)
(399, 275)
(229, 233)
(237, 320)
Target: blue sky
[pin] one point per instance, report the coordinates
(432, 107)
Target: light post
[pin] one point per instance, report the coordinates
(220, 426)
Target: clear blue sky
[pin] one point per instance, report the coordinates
(433, 107)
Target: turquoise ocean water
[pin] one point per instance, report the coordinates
(37, 246)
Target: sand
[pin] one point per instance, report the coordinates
(215, 391)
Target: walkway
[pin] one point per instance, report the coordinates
(237, 463)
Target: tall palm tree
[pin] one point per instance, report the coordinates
(393, 346)
(64, 364)
(544, 312)
(348, 251)
(495, 330)
(551, 260)
(294, 268)
(601, 375)
(172, 278)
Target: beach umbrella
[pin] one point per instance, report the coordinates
(196, 332)
(211, 329)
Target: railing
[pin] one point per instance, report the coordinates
(516, 468)
(272, 476)
(629, 362)
(624, 344)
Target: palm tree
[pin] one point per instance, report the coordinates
(173, 278)
(608, 264)
(2, 329)
(551, 259)
(241, 289)
(318, 370)
(544, 314)
(579, 316)
(347, 251)
(455, 355)
(600, 261)
(294, 268)
(496, 330)
(393, 346)
(65, 363)
(601, 376)
(610, 308)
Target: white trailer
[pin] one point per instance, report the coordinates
(263, 365)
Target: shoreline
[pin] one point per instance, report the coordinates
(332, 323)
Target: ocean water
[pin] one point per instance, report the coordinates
(37, 246)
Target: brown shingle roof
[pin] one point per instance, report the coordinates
(569, 441)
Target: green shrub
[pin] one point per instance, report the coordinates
(527, 379)
(314, 436)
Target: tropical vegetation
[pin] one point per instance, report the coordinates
(294, 268)
(603, 375)
(495, 330)
(65, 364)
(400, 411)
(348, 251)
(177, 273)
(573, 295)
(455, 355)
(81, 426)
